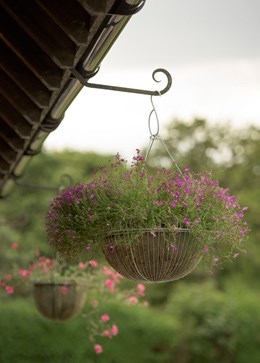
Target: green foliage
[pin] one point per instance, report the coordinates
(23, 210)
(29, 338)
(202, 324)
(145, 337)
(199, 325)
(217, 326)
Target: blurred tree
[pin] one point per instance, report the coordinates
(23, 210)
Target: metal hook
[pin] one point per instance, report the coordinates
(153, 135)
(85, 82)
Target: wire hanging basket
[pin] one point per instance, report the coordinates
(59, 301)
(158, 255)
(154, 256)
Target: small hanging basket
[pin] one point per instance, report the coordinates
(152, 255)
(59, 301)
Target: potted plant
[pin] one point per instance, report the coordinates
(59, 290)
(151, 226)
(55, 299)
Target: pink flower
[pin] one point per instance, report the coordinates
(93, 263)
(95, 303)
(110, 284)
(240, 214)
(9, 289)
(141, 289)
(8, 277)
(42, 264)
(119, 275)
(15, 245)
(107, 333)
(206, 249)
(133, 299)
(82, 265)
(24, 273)
(114, 329)
(109, 272)
(64, 289)
(98, 348)
(105, 318)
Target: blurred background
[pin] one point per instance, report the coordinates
(210, 120)
(206, 317)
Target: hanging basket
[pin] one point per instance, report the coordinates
(59, 301)
(152, 256)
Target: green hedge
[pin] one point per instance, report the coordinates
(217, 326)
(145, 337)
(199, 325)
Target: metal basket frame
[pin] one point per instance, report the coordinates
(55, 305)
(158, 255)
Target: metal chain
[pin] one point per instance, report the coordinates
(155, 136)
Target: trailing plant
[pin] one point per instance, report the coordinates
(104, 286)
(133, 198)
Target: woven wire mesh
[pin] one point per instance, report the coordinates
(58, 306)
(152, 256)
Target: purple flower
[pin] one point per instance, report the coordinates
(111, 248)
(186, 221)
(240, 214)
(243, 231)
(175, 248)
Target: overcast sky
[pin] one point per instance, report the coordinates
(188, 32)
(210, 47)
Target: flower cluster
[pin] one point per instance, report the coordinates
(100, 280)
(122, 198)
(100, 322)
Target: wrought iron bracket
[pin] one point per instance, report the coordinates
(85, 83)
